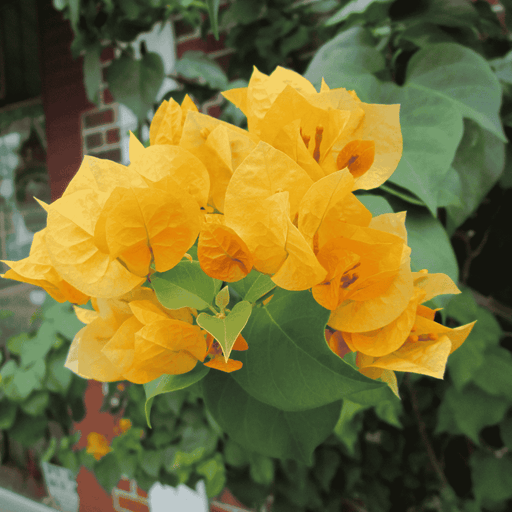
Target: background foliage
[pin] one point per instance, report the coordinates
(446, 445)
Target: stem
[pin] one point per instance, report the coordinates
(264, 297)
(436, 466)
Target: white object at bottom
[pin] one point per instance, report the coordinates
(163, 498)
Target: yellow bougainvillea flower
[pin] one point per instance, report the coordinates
(314, 128)
(221, 252)
(97, 445)
(177, 164)
(413, 342)
(217, 360)
(262, 198)
(361, 263)
(102, 245)
(70, 243)
(159, 222)
(85, 356)
(329, 203)
(167, 123)
(151, 343)
(377, 287)
(220, 146)
(135, 338)
(38, 270)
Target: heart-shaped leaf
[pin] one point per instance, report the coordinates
(226, 330)
(185, 285)
(432, 130)
(289, 364)
(135, 83)
(461, 76)
(169, 383)
(264, 429)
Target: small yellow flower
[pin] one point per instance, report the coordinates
(97, 445)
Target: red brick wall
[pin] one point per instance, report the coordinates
(64, 97)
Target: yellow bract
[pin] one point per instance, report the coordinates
(135, 338)
(413, 342)
(167, 123)
(38, 270)
(284, 109)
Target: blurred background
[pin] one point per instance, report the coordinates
(77, 75)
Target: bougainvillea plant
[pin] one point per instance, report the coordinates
(244, 260)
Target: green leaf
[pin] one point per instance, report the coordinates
(28, 430)
(376, 204)
(424, 34)
(226, 330)
(16, 343)
(151, 461)
(469, 411)
(491, 477)
(222, 299)
(36, 348)
(261, 469)
(503, 67)
(432, 129)
(197, 442)
(50, 451)
(450, 192)
(494, 376)
(36, 404)
(244, 12)
(289, 364)
(463, 77)
(348, 61)
(253, 286)
(7, 414)
(480, 160)
(213, 11)
(465, 362)
(74, 13)
(349, 425)
(18, 383)
(169, 383)
(108, 471)
(506, 432)
(185, 285)
(63, 318)
(92, 72)
(455, 13)
(430, 245)
(215, 474)
(352, 7)
(135, 83)
(234, 454)
(198, 65)
(58, 378)
(262, 428)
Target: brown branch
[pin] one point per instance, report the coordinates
(494, 306)
(436, 466)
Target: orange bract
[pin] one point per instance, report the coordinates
(358, 156)
(217, 361)
(221, 252)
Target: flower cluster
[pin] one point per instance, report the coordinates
(278, 197)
